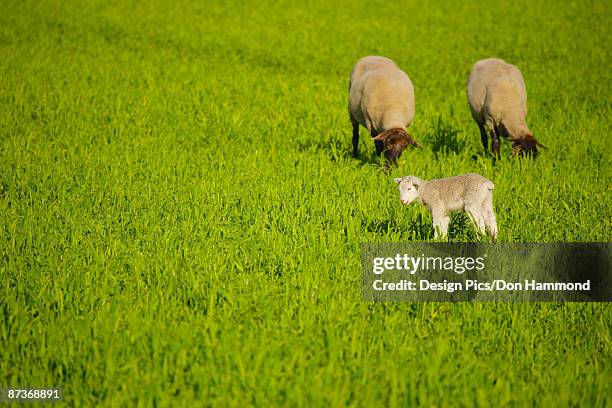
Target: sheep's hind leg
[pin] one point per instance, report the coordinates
(483, 136)
(440, 225)
(495, 135)
(355, 137)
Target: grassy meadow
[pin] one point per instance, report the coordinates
(180, 213)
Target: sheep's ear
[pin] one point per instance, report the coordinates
(416, 183)
(535, 141)
(539, 144)
(397, 180)
(380, 137)
(412, 141)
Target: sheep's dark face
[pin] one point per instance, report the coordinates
(393, 151)
(395, 140)
(526, 147)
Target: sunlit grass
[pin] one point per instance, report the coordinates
(181, 214)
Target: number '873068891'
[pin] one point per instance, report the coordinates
(39, 394)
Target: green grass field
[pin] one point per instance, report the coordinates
(181, 215)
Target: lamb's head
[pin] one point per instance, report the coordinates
(395, 140)
(526, 146)
(409, 188)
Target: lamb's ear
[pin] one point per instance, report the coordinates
(397, 180)
(416, 182)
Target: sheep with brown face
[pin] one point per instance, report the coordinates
(471, 193)
(381, 99)
(498, 100)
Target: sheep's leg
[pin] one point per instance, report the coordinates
(440, 225)
(495, 134)
(483, 136)
(355, 137)
(379, 144)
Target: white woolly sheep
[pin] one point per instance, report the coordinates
(472, 193)
(381, 99)
(498, 100)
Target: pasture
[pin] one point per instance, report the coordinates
(181, 214)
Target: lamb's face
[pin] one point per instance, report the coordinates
(408, 189)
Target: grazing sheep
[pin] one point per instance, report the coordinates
(498, 100)
(381, 99)
(469, 192)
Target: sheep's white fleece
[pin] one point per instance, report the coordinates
(497, 96)
(381, 95)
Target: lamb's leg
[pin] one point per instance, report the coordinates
(489, 218)
(477, 218)
(355, 137)
(440, 224)
(483, 136)
(379, 144)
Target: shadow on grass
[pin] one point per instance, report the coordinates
(418, 229)
(461, 229)
(341, 150)
(443, 138)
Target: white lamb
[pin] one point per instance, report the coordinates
(381, 99)
(468, 192)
